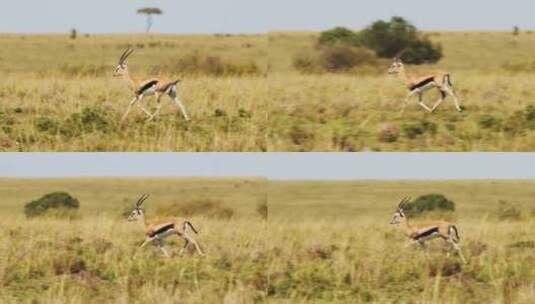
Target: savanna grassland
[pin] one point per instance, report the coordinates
(245, 94)
(360, 110)
(58, 94)
(334, 244)
(93, 257)
(324, 242)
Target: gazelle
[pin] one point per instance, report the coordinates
(419, 234)
(417, 85)
(157, 231)
(151, 86)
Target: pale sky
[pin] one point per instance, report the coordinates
(247, 16)
(301, 166)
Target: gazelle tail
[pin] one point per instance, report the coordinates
(454, 233)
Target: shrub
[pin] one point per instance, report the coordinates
(429, 202)
(61, 203)
(342, 57)
(306, 63)
(262, 209)
(506, 212)
(44, 124)
(88, 120)
(488, 121)
(208, 208)
(339, 35)
(529, 114)
(388, 133)
(387, 39)
(413, 130)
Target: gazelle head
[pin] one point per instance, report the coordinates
(122, 67)
(397, 64)
(399, 214)
(395, 67)
(138, 211)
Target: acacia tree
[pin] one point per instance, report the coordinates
(149, 11)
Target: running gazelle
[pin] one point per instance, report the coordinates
(157, 231)
(146, 87)
(417, 85)
(419, 234)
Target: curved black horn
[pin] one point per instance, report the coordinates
(125, 54)
(403, 202)
(141, 200)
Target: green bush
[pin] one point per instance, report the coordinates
(45, 124)
(339, 35)
(529, 114)
(488, 121)
(413, 130)
(60, 202)
(387, 39)
(429, 202)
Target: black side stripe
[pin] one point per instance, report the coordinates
(146, 86)
(162, 230)
(426, 233)
(421, 83)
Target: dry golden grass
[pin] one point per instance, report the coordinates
(57, 94)
(333, 243)
(324, 242)
(94, 258)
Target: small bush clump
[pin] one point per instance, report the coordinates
(45, 124)
(488, 121)
(61, 203)
(342, 58)
(429, 202)
(262, 210)
(388, 133)
(388, 39)
(413, 130)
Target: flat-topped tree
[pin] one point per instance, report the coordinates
(150, 11)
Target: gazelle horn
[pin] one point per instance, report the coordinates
(141, 200)
(125, 55)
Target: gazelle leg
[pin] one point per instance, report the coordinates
(455, 99)
(186, 244)
(194, 242)
(182, 108)
(142, 108)
(458, 249)
(172, 94)
(130, 105)
(147, 240)
(443, 96)
(421, 102)
(406, 102)
(162, 248)
(158, 107)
